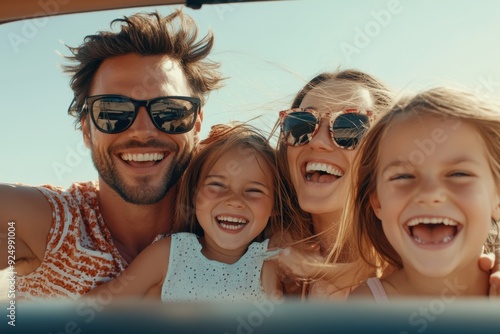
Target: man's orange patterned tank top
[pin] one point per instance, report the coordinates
(80, 254)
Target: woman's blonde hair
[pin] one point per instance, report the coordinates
(372, 247)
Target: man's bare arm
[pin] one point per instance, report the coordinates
(25, 220)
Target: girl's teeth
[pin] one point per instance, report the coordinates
(434, 220)
(232, 219)
(445, 240)
(232, 227)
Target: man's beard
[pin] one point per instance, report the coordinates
(143, 192)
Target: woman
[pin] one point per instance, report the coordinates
(316, 160)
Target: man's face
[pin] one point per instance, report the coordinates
(142, 163)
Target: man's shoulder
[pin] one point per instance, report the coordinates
(80, 191)
(80, 199)
(89, 186)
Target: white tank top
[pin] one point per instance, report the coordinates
(193, 277)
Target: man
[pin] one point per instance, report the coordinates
(129, 87)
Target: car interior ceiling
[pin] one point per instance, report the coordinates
(29, 9)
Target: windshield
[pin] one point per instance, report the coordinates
(268, 50)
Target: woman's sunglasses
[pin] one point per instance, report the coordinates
(115, 113)
(347, 127)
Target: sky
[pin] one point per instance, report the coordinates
(267, 50)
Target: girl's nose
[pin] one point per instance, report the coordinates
(430, 191)
(235, 201)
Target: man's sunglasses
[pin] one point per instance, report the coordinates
(116, 113)
(347, 127)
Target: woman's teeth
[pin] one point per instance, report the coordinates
(323, 167)
(322, 172)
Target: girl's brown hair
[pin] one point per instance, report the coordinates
(249, 142)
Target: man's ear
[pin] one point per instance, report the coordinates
(197, 126)
(375, 203)
(86, 131)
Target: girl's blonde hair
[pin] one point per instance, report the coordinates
(248, 141)
(372, 248)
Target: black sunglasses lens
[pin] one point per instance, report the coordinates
(112, 114)
(298, 127)
(173, 115)
(349, 128)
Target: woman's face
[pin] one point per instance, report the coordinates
(320, 170)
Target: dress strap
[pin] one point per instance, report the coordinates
(377, 290)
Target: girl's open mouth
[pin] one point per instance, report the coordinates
(231, 223)
(435, 230)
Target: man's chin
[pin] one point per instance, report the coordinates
(140, 193)
(140, 196)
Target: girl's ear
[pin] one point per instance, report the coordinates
(496, 212)
(496, 209)
(375, 203)
(275, 212)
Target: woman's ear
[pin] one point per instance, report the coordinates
(375, 203)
